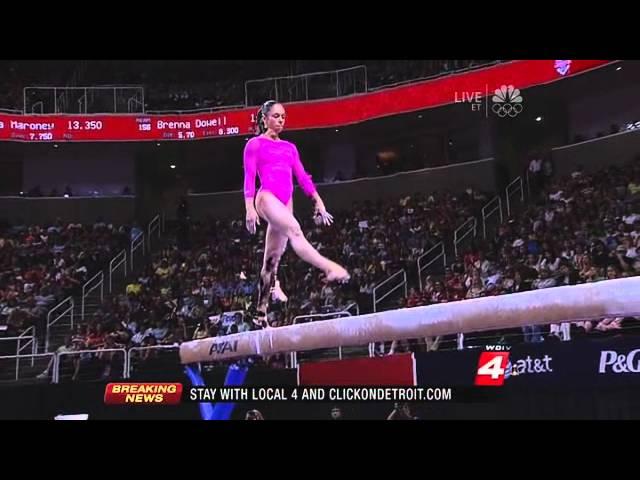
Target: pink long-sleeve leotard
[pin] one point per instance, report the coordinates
(273, 161)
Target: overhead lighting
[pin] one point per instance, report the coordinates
(158, 144)
(420, 116)
(337, 129)
(55, 145)
(618, 69)
(538, 119)
(172, 166)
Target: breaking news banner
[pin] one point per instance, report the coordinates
(173, 393)
(143, 394)
(339, 394)
(321, 394)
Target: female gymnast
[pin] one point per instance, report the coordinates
(274, 160)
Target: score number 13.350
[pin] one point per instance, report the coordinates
(86, 125)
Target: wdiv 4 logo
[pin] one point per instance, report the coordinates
(492, 366)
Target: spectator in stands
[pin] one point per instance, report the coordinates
(121, 335)
(413, 299)
(580, 231)
(535, 173)
(160, 331)
(41, 265)
(241, 324)
(109, 360)
(141, 335)
(477, 289)
(401, 411)
(150, 353)
(336, 413)
(67, 346)
(254, 415)
(202, 331)
(174, 337)
(96, 336)
(547, 171)
(163, 271)
(634, 186)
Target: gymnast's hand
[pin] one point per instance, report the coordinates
(321, 212)
(252, 220)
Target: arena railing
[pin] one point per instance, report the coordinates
(97, 281)
(114, 264)
(512, 189)
(128, 355)
(440, 74)
(132, 350)
(439, 251)
(492, 207)
(31, 341)
(298, 86)
(136, 244)
(400, 276)
(74, 100)
(340, 83)
(68, 305)
(353, 306)
(463, 231)
(154, 226)
(7, 360)
(195, 110)
(11, 339)
(59, 355)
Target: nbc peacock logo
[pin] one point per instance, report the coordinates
(507, 101)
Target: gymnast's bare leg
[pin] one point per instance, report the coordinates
(282, 221)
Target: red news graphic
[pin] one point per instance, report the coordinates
(491, 366)
(328, 113)
(143, 393)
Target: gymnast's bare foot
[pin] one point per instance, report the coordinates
(277, 294)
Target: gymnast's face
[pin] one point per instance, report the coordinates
(275, 119)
